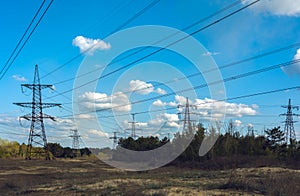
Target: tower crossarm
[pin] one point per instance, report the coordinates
(27, 116)
(43, 105)
(24, 104)
(41, 86)
(50, 105)
(292, 114)
(48, 116)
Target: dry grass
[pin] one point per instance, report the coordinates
(92, 177)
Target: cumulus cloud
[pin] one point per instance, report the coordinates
(277, 7)
(159, 103)
(84, 116)
(19, 78)
(61, 124)
(161, 91)
(141, 87)
(210, 53)
(144, 88)
(180, 99)
(99, 101)
(97, 133)
(237, 123)
(165, 119)
(89, 46)
(293, 69)
(212, 108)
(217, 107)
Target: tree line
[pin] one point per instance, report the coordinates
(230, 148)
(9, 149)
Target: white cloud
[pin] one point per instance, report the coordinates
(218, 107)
(249, 125)
(84, 116)
(180, 99)
(161, 91)
(210, 53)
(277, 7)
(159, 103)
(170, 117)
(142, 124)
(19, 78)
(212, 108)
(144, 88)
(293, 69)
(141, 87)
(237, 123)
(118, 101)
(98, 133)
(165, 119)
(89, 46)
(61, 124)
(4, 119)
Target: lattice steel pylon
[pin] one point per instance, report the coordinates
(115, 139)
(133, 127)
(37, 135)
(187, 122)
(75, 144)
(289, 130)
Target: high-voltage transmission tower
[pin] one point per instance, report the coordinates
(37, 135)
(115, 139)
(187, 122)
(133, 127)
(75, 144)
(289, 130)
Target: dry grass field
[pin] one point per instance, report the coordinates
(92, 177)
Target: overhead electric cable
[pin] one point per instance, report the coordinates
(153, 3)
(230, 78)
(7, 66)
(18, 44)
(144, 48)
(215, 101)
(160, 49)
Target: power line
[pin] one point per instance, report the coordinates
(19, 51)
(112, 12)
(163, 48)
(159, 41)
(247, 74)
(231, 78)
(88, 49)
(206, 71)
(16, 47)
(152, 4)
(215, 101)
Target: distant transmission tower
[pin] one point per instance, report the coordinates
(37, 135)
(75, 144)
(115, 139)
(289, 130)
(133, 127)
(187, 122)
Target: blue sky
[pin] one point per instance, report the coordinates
(70, 27)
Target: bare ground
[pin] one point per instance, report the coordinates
(92, 177)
